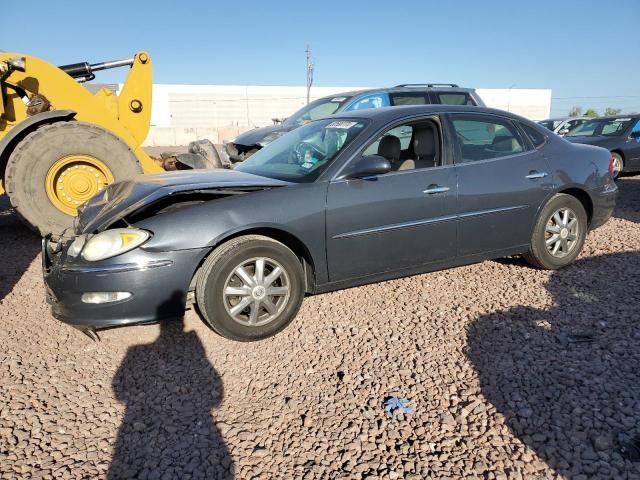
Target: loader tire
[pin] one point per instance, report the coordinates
(57, 167)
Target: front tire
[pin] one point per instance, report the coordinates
(250, 288)
(559, 233)
(618, 165)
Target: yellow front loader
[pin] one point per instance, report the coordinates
(60, 144)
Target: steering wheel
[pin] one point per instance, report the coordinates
(303, 148)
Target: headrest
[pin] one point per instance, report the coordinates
(389, 147)
(424, 143)
(505, 143)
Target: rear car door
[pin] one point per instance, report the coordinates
(502, 181)
(399, 220)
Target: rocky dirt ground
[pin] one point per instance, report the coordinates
(511, 373)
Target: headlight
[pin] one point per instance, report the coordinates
(270, 138)
(76, 246)
(113, 242)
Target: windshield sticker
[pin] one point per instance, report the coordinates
(341, 124)
(338, 99)
(307, 165)
(622, 119)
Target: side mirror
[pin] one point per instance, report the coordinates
(370, 166)
(563, 132)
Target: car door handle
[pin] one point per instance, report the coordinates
(431, 189)
(534, 175)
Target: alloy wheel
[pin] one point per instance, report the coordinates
(256, 291)
(561, 232)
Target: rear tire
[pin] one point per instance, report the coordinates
(30, 167)
(250, 305)
(559, 233)
(618, 165)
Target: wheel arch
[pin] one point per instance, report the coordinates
(583, 197)
(288, 239)
(19, 132)
(619, 152)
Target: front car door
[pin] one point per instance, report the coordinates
(502, 181)
(372, 100)
(399, 220)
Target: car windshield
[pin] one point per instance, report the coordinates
(316, 110)
(601, 127)
(304, 153)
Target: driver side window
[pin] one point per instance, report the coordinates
(409, 146)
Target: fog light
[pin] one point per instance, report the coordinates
(104, 297)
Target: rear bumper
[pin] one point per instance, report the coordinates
(158, 282)
(604, 202)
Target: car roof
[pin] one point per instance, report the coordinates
(400, 88)
(392, 113)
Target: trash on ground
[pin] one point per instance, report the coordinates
(394, 405)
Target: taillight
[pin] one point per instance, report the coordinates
(611, 162)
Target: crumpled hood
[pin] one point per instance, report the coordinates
(257, 135)
(123, 198)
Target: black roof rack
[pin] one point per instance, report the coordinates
(430, 85)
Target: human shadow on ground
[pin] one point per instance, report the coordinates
(20, 247)
(169, 388)
(567, 378)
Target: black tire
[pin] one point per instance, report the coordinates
(31, 160)
(538, 255)
(219, 267)
(618, 158)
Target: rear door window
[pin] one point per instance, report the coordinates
(453, 98)
(486, 137)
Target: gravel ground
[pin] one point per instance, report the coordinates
(511, 372)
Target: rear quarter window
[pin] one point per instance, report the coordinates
(538, 139)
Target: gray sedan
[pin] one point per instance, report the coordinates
(352, 199)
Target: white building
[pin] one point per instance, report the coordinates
(182, 113)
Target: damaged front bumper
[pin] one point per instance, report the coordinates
(157, 284)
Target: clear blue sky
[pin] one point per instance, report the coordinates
(584, 50)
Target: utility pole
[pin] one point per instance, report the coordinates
(310, 66)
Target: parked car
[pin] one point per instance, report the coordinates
(562, 126)
(620, 135)
(246, 144)
(355, 198)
